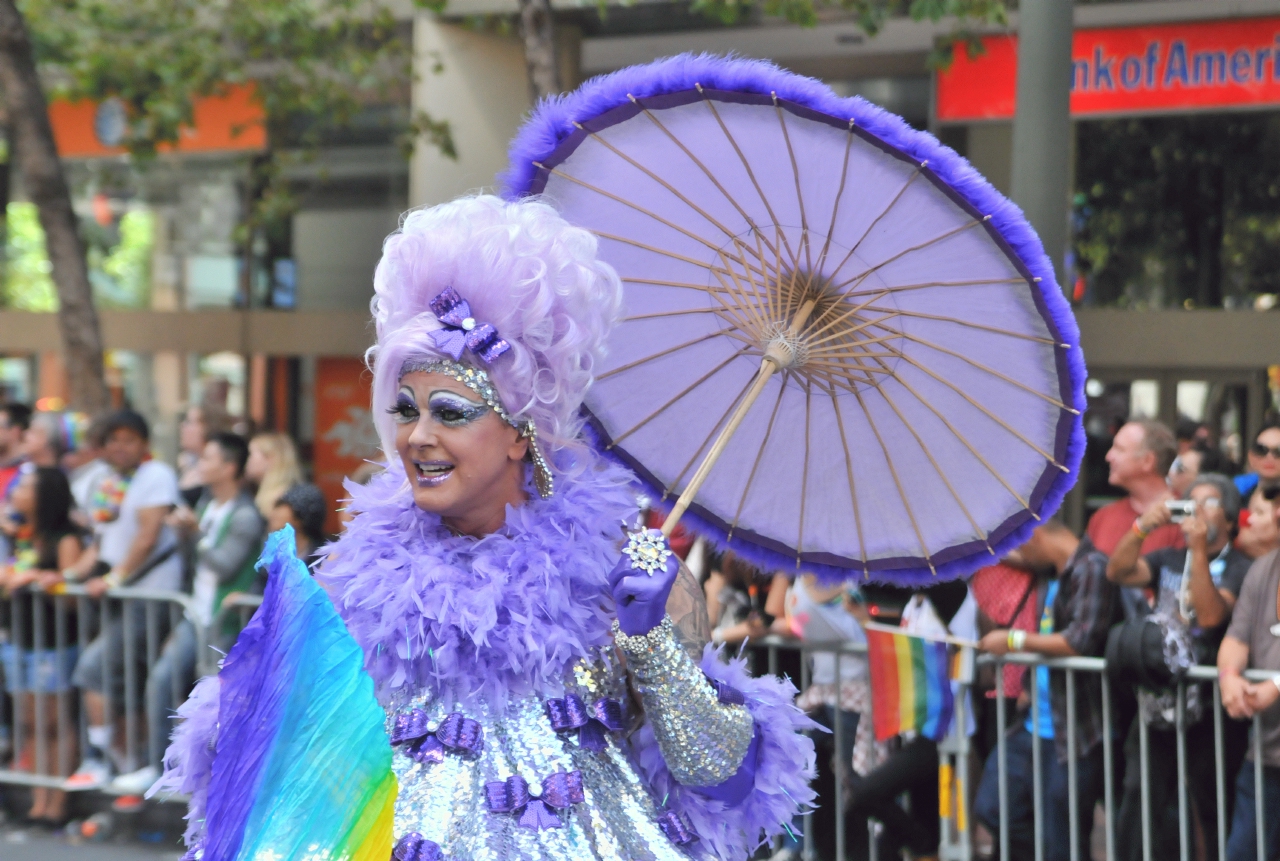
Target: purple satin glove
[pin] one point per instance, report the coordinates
(738, 787)
(641, 596)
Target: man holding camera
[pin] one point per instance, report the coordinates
(1196, 590)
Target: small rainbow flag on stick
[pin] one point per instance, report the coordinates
(910, 684)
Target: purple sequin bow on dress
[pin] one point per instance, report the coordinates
(676, 827)
(461, 331)
(727, 695)
(426, 741)
(536, 804)
(414, 847)
(591, 722)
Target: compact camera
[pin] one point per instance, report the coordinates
(1181, 509)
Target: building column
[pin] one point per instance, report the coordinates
(477, 83)
(1042, 123)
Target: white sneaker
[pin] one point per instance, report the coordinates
(135, 782)
(92, 774)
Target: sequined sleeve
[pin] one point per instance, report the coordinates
(702, 740)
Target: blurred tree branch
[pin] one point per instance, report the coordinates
(314, 64)
(37, 158)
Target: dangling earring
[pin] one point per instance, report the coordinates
(543, 481)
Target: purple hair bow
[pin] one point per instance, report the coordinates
(426, 741)
(676, 827)
(570, 713)
(462, 331)
(414, 847)
(536, 804)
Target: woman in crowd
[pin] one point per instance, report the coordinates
(734, 606)
(35, 667)
(273, 468)
(47, 440)
(839, 689)
(484, 580)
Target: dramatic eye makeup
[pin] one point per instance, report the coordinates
(453, 410)
(405, 409)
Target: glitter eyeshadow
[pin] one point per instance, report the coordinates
(453, 410)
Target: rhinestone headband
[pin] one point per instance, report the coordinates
(478, 381)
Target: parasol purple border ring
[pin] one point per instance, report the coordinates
(553, 133)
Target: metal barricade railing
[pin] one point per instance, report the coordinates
(957, 842)
(87, 659)
(117, 643)
(232, 616)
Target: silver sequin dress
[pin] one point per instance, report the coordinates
(446, 802)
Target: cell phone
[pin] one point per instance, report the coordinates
(1180, 509)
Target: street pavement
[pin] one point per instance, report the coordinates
(20, 844)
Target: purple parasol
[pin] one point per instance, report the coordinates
(831, 308)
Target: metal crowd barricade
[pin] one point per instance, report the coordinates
(1097, 666)
(143, 618)
(956, 833)
(236, 611)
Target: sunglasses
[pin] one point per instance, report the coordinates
(1260, 450)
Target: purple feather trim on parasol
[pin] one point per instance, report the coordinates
(785, 766)
(553, 124)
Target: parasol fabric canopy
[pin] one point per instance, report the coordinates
(884, 325)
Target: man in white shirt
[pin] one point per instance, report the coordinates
(134, 547)
(230, 530)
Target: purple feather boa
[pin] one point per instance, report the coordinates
(553, 121)
(480, 620)
(785, 766)
(188, 761)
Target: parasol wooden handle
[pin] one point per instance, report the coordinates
(768, 365)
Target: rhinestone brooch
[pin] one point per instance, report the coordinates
(648, 551)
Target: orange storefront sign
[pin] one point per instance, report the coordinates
(232, 121)
(1130, 70)
(345, 437)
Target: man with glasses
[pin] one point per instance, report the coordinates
(1196, 591)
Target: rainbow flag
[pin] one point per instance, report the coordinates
(303, 762)
(910, 685)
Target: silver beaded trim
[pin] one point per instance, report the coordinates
(478, 381)
(702, 740)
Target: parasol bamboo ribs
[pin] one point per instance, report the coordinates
(773, 360)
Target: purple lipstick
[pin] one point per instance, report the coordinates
(432, 473)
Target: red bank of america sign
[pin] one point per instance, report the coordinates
(1127, 70)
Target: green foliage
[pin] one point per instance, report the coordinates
(27, 284)
(1179, 211)
(121, 274)
(871, 16)
(314, 63)
(119, 261)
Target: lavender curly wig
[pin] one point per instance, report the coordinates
(524, 270)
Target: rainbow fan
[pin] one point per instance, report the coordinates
(303, 762)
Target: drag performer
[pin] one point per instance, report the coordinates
(548, 687)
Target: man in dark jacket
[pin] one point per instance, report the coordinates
(1077, 608)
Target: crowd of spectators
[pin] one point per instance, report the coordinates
(1190, 547)
(84, 503)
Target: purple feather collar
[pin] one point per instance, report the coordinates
(480, 620)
